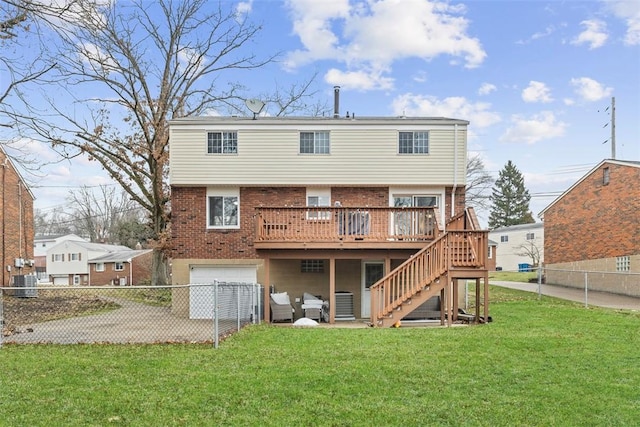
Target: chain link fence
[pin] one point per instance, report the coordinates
(194, 313)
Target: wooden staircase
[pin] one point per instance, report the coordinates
(458, 252)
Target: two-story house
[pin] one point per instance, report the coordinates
(593, 228)
(359, 211)
(82, 263)
(519, 247)
(40, 246)
(16, 222)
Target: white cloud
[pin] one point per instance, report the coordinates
(190, 58)
(594, 34)
(629, 11)
(372, 35)
(479, 113)
(95, 57)
(536, 128)
(590, 90)
(358, 80)
(487, 88)
(536, 92)
(244, 7)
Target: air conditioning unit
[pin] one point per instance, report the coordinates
(18, 262)
(29, 262)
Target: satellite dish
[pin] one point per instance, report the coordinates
(255, 105)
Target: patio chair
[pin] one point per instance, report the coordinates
(281, 308)
(312, 306)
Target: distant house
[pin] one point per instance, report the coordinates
(518, 245)
(16, 222)
(83, 263)
(40, 246)
(594, 226)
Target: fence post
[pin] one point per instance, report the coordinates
(238, 304)
(216, 341)
(539, 281)
(586, 291)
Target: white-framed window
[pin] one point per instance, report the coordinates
(318, 197)
(605, 176)
(490, 252)
(312, 266)
(531, 236)
(57, 257)
(118, 266)
(99, 266)
(412, 222)
(413, 142)
(223, 208)
(222, 142)
(315, 142)
(623, 263)
(75, 257)
(504, 239)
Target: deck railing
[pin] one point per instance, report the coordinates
(455, 249)
(324, 224)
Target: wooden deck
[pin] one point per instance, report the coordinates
(346, 227)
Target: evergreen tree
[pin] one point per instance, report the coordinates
(510, 199)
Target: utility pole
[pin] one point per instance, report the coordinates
(613, 127)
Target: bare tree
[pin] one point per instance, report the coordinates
(530, 250)
(99, 214)
(479, 183)
(145, 63)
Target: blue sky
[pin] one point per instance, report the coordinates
(533, 77)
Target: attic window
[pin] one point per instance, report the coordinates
(605, 176)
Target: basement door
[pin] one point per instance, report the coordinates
(201, 297)
(372, 271)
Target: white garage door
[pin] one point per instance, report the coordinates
(201, 297)
(63, 281)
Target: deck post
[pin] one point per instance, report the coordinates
(267, 287)
(332, 290)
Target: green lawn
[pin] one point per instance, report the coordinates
(547, 362)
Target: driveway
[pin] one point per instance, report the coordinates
(131, 323)
(600, 299)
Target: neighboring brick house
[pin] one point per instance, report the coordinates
(129, 267)
(16, 222)
(320, 205)
(594, 226)
(519, 245)
(84, 263)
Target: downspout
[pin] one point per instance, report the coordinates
(4, 219)
(130, 271)
(455, 171)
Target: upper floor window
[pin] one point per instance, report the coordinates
(99, 266)
(75, 257)
(118, 266)
(222, 142)
(504, 239)
(623, 263)
(605, 176)
(57, 257)
(530, 236)
(413, 143)
(317, 198)
(223, 207)
(314, 142)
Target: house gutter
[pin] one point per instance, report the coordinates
(455, 170)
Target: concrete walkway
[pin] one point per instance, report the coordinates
(600, 299)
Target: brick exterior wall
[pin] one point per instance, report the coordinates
(594, 220)
(191, 239)
(16, 221)
(139, 270)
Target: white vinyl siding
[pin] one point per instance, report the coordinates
(360, 155)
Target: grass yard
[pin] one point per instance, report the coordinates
(540, 363)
